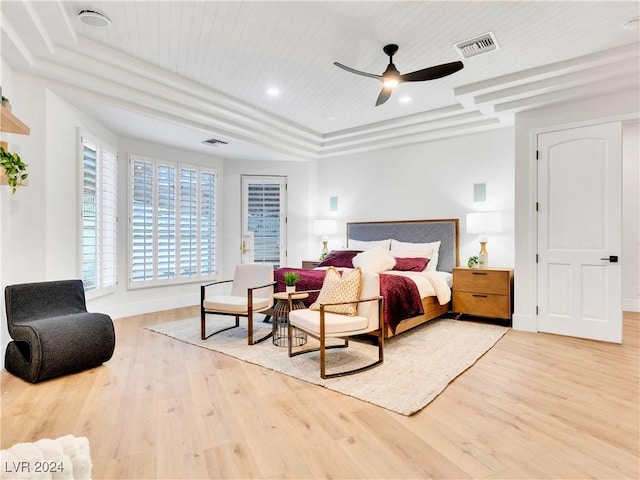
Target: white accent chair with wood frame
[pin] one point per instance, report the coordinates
(252, 290)
(323, 324)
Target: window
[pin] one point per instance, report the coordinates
(172, 222)
(264, 219)
(99, 167)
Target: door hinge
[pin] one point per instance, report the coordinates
(537, 155)
(537, 206)
(537, 310)
(537, 258)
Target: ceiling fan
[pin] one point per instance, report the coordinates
(392, 77)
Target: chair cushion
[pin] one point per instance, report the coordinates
(337, 288)
(233, 304)
(335, 324)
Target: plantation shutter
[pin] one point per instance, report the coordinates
(207, 223)
(166, 222)
(172, 222)
(142, 227)
(188, 222)
(89, 216)
(99, 216)
(264, 216)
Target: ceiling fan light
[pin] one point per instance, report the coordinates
(390, 82)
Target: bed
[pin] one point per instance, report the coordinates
(404, 232)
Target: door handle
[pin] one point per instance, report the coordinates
(611, 258)
(244, 247)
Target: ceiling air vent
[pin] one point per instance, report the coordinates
(214, 142)
(477, 45)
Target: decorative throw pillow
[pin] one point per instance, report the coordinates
(339, 258)
(337, 288)
(411, 264)
(376, 259)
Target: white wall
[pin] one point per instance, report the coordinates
(623, 105)
(432, 180)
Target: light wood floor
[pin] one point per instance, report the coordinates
(535, 406)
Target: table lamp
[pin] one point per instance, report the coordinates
(324, 228)
(483, 223)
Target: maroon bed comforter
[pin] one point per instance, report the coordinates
(401, 297)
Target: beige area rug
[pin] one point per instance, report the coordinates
(418, 364)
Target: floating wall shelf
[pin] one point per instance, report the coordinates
(12, 124)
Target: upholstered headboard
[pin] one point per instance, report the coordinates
(416, 231)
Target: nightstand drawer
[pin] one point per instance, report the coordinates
(482, 281)
(310, 264)
(482, 304)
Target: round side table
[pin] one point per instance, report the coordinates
(280, 320)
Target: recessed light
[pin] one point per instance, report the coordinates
(93, 18)
(405, 99)
(631, 24)
(272, 91)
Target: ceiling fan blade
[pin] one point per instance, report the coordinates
(385, 93)
(358, 72)
(432, 73)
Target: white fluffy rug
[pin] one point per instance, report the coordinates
(418, 364)
(66, 457)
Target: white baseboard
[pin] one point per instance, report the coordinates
(148, 306)
(526, 323)
(631, 304)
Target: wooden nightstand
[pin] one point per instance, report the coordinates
(310, 264)
(485, 293)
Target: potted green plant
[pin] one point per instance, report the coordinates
(290, 280)
(6, 103)
(474, 262)
(14, 169)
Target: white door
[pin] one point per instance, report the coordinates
(580, 232)
(264, 218)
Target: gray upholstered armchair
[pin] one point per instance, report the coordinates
(53, 334)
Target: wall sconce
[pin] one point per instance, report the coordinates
(479, 192)
(483, 223)
(324, 228)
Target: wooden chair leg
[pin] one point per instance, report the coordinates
(203, 327)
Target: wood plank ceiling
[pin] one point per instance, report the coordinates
(190, 69)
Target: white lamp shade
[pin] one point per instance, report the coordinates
(325, 227)
(484, 222)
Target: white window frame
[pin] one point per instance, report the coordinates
(106, 208)
(178, 275)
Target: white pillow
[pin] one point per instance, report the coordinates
(376, 259)
(365, 245)
(423, 250)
